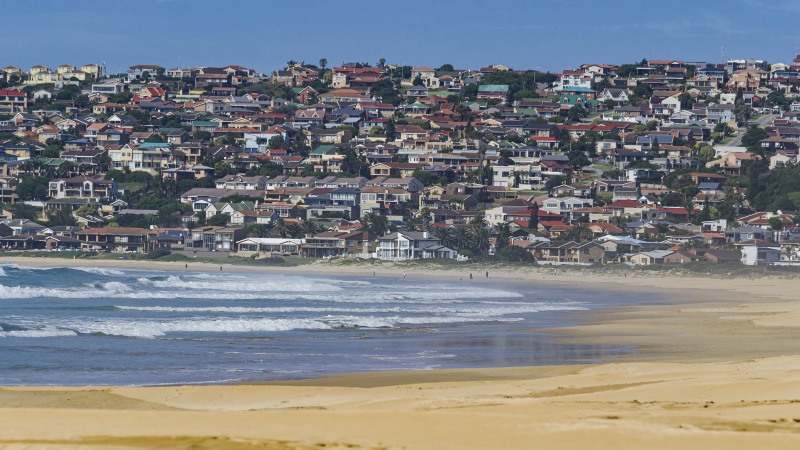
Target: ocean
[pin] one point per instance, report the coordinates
(101, 326)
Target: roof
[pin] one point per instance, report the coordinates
(493, 88)
(115, 230)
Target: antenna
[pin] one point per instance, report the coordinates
(722, 55)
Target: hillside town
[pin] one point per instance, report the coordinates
(651, 162)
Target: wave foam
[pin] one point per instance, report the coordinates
(37, 333)
(252, 285)
(99, 271)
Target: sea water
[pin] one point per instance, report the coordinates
(100, 326)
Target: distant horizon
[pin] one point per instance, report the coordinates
(549, 37)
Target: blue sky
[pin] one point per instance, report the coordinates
(548, 35)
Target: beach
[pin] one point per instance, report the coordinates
(717, 366)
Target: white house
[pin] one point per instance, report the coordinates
(560, 205)
(404, 245)
(754, 254)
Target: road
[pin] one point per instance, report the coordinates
(761, 122)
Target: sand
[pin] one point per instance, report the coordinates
(718, 367)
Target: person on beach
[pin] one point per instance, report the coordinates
(470, 276)
(487, 274)
(404, 275)
(220, 268)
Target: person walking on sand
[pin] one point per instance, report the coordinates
(220, 268)
(487, 274)
(186, 266)
(470, 276)
(404, 275)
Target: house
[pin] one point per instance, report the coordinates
(339, 243)
(745, 233)
(758, 252)
(241, 182)
(144, 71)
(24, 227)
(114, 239)
(269, 246)
(649, 257)
(569, 252)
(493, 92)
(12, 101)
(244, 217)
(220, 239)
(561, 205)
(615, 95)
(83, 187)
(404, 245)
(721, 256)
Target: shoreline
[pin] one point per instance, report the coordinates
(718, 366)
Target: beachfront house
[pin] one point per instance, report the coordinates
(404, 245)
(219, 239)
(268, 246)
(115, 239)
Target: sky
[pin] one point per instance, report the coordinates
(547, 35)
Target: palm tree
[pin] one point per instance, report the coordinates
(447, 236)
(462, 239)
(481, 239)
(376, 224)
(413, 224)
(323, 62)
(310, 226)
(281, 227)
(261, 230)
(294, 230)
(425, 215)
(580, 233)
(503, 234)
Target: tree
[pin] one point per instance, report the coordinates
(218, 220)
(261, 230)
(376, 224)
(60, 218)
(323, 63)
(753, 135)
(579, 233)
(706, 153)
(445, 68)
(479, 234)
(533, 221)
(202, 135)
(553, 182)
(310, 226)
(723, 128)
(86, 210)
(576, 113)
(503, 235)
(276, 141)
(513, 253)
(294, 230)
(418, 81)
(381, 62)
(578, 158)
(447, 236)
(281, 227)
(775, 223)
(33, 188)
